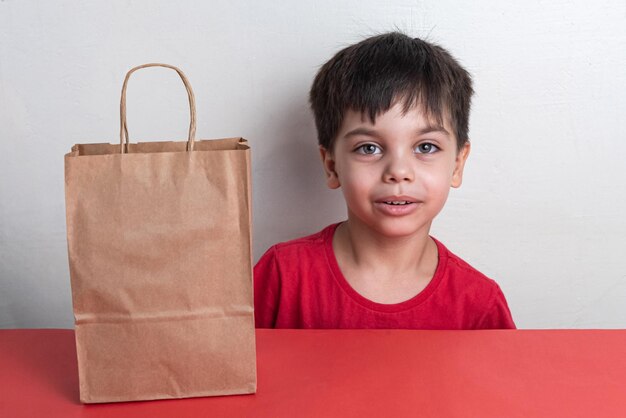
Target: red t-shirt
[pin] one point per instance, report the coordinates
(298, 284)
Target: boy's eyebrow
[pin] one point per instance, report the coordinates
(361, 131)
(433, 128)
(422, 131)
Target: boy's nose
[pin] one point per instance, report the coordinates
(398, 170)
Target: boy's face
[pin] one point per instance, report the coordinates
(395, 174)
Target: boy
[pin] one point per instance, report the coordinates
(392, 119)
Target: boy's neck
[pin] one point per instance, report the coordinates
(366, 249)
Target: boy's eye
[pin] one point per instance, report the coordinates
(368, 149)
(426, 148)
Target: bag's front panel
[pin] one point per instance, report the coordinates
(159, 248)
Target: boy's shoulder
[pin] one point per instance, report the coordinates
(457, 262)
(475, 292)
(292, 258)
(460, 274)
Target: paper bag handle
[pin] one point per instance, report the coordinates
(124, 139)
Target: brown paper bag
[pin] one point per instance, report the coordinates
(159, 243)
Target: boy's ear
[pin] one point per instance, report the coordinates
(329, 168)
(459, 165)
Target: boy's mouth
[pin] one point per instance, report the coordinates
(400, 202)
(396, 200)
(397, 205)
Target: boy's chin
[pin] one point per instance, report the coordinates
(397, 228)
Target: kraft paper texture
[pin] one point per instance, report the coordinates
(159, 245)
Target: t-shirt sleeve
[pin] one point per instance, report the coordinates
(266, 290)
(498, 314)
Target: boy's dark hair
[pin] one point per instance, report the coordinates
(372, 75)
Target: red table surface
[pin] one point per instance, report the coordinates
(357, 373)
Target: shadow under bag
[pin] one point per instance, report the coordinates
(159, 245)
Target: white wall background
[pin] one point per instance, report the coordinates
(543, 207)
